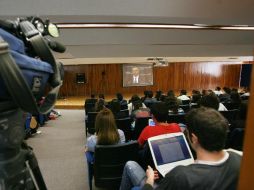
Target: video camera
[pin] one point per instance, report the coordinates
(27, 69)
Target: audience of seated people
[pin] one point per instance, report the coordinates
(214, 168)
(159, 112)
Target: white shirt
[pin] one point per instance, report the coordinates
(135, 79)
(222, 107)
(183, 97)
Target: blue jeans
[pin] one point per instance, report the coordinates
(133, 175)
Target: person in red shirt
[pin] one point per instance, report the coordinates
(159, 113)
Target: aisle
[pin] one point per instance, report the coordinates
(59, 150)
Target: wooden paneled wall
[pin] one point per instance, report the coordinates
(107, 78)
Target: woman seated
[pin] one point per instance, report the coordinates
(106, 132)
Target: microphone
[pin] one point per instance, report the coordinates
(56, 46)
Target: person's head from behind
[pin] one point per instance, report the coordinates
(172, 104)
(158, 94)
(171, 93)
(218, 88)
(105, 128)
(115, 106)
(134, 98)
(195, 92)
(159, 112)
(210, 101)
(146, 93)
(150, 94)
(207, 129)
(137, 104)
(92, 96)
(101, 96)
(119, 96)
(183, 92)
(227, 90)
(235, 97)
(196, 98)
(135, 71)
(99, 105)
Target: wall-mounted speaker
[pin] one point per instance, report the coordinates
(80, 78)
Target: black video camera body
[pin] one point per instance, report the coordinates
(27, 64)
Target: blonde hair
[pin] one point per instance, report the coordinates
(105, 128)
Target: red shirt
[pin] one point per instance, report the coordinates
(151, 131)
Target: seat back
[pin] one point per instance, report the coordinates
(185, 102)
(236, 138)
(140, 124)
(230, 115)
(231, 105)
(185, 107)
(176, 118)
(110, 161)
(90, 123)
(124, 106)
(89, 106)
(125, 125)
(125, 112)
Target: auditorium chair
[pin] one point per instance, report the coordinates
(125, 112)
(125, 125)
(89, 107)
(185, 107)
(90, 122)
(235, 139)
(140, 124)
(185, 102)
(109, 162)
(230, 115)
(176, 118)
(230, 105)
(124, 106)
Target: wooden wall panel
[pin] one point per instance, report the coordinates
(107, 78)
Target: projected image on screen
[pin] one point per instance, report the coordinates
(137, 75)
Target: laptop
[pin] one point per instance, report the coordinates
(169, 151)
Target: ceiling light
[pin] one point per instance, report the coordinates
(155, 26)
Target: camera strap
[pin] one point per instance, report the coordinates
(18, 87)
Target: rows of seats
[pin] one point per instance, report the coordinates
(108, 168)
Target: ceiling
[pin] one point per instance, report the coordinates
(124, 45)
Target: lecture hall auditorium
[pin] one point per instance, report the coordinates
(204, 44)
